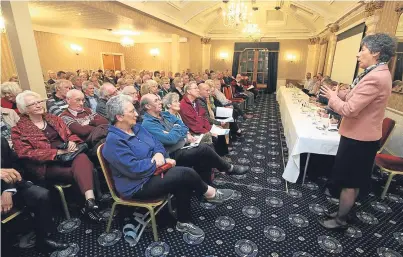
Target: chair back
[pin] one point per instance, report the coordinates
(107, 173)
(227, 93)
(387, 128)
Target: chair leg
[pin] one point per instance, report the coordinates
(108, 227)
(153, 223)
(64, 202)
(385, 190)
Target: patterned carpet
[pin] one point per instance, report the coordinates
(261, 219)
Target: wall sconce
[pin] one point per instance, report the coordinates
(291, 57)
(76, 49)
(2, 25)
(224, 55)
(155, 52)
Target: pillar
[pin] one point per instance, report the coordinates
(313, 56)
(206, 49)
(23, 45)
(322, 55)
(175, 53)
(331, 49)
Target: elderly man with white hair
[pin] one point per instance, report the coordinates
(90, 96)
(79, 119)
(56, 104)
(106, 91)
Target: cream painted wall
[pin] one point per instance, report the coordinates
(286, 70)
(55, 53)
(7, 60)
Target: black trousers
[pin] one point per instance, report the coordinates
(202, 158)
(37, 199)
(179, 181)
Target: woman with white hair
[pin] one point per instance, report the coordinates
(9, 90)
(135, 157)
(149, 87)
(43, 141)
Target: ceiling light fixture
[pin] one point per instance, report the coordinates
(127, 42)
(125, 32)
(234, 13)
(252, 30)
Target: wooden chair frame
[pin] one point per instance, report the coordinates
(392, 173)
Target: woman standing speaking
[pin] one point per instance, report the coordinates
(363, 110)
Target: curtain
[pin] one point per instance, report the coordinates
(235, 63)
(399, 67)
(272, 72)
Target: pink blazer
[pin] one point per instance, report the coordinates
(363, 108)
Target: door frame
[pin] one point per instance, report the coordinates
(122, 59)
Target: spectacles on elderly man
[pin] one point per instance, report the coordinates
(36, 103)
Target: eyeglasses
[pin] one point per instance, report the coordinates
(36, 103)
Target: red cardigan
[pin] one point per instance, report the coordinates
(193, 118)
(9, 105)
(31, 144)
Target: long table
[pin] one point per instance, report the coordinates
(301, 135)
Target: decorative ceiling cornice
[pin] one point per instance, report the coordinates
(333, 28)
(372, 6)
(205, 40)
(314, 40)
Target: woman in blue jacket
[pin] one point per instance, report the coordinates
(133, 155)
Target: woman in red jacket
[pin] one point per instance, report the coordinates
(36, 138)
(9, 90)
(363, 110)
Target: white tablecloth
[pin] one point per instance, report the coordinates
(301, 135)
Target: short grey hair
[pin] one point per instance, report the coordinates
(61, 82)
(144, 100)
(115, 106)
(126, 88)
(169, 98)
(381, 43)
(70, 93)
(86, 84)
(10, 87)
(188, 85)
(20, 100)
(103, 93)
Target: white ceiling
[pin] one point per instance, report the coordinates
(296, 19)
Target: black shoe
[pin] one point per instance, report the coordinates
(48, 245)
(237, 170)
(333, 215)
(91, 210)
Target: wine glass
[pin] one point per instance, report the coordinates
(325, 124)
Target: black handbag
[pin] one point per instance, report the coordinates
(67, 157)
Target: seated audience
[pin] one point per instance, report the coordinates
(118, 75)
(80, 120)
(13, 78)
(77, 82)
(9, 90)
(173, 134)
(90, 98)
(149, 87)
(134, 155)
(106, 91)
(15, 191)
(42, 140)
(133, 93)
(195, 118)
(329, 83)
(397, 86)
(120, 83)
(108, 78)
(61, 75)
(307, 82)
(221, 101)
(240, 92)
(52, 77)
(56, 104)
(9, 119)
(164, 87)
(178, 87)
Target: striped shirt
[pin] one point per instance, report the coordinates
(56, 105)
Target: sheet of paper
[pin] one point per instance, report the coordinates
(219, 131)
(229, 119)
(224, 112)
(250, 87)
(195, 144)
